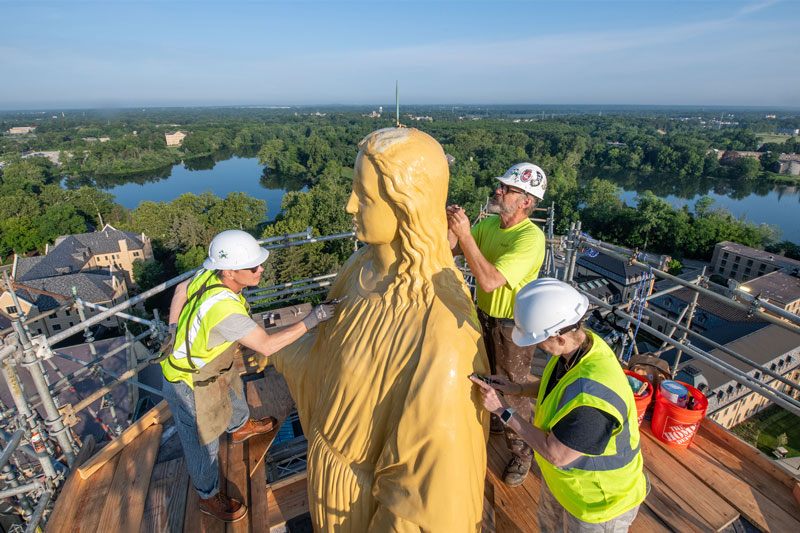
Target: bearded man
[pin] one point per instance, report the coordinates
(505, 253)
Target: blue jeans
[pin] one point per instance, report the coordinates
(201, 461)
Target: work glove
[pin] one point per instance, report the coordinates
(254, 362)
(320, 313)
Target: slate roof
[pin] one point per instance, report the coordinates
(105, 241)
(777, 287)
(43, 300)
(615, 267)
(766, 257)
(760, 346)
(93, 287)
(70, 253)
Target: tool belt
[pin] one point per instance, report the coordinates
(212, 397)
(492, 321)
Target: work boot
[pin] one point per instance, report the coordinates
(496, 426)
(515, 473)
(223, 508)
(254, 427)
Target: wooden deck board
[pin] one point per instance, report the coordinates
(64, 506)
(287, 501)
(166, 501)
(259, 517)
(698, 500)
(127, 494)
(701, 459)
(237, 477)
(267, 397)
(515, 508)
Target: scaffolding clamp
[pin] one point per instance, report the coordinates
(42, 347)
(755, 305)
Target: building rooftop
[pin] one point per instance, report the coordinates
(619, 269)
(777, 287)
(93, 287)
(761, 255)
(760, 346)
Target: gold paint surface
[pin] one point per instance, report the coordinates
(396, 431)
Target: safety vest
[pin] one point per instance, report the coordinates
(208, 303)
(594, 488)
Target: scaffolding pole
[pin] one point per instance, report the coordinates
(38, 513)
(287, 285)
(55, 425)
(27, 417)
(11, 447)
(725, 349)
(732, 372)
(295, 290)
(613, 251)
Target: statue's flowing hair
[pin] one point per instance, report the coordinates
(414, 174)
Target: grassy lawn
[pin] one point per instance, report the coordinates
(767, 425)
(773, 137)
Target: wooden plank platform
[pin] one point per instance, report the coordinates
(703, 488)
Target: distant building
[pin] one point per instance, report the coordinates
(789, 164)
(778, 288)
(732, 157)
(765, 344)
(175, 138)
(99, 265)
(788, 131)
(107, 249)
(742, 263)
(730, 402)
(43, 295)
(18, 130)
(623, 277)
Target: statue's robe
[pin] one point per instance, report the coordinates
(396, 432)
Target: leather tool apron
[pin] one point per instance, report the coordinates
(212, 400)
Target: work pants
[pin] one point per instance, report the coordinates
(513, 362)
(201, 461)
(553, 518)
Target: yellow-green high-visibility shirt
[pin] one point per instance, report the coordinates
(516, 252)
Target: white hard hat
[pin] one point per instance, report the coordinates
(527, 177)
(233, 250)
(544, 307)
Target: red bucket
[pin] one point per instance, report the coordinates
(675, 425)
(644, 400)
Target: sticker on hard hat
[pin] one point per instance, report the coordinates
(539, 178)
(525, 176)
(222, 254)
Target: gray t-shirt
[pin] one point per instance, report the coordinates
(230, 329)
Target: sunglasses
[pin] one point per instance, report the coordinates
(253, 270)
(506, 189)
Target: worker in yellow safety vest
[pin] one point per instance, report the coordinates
(209, 317)
(585, 432)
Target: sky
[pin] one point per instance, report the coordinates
(112, 53)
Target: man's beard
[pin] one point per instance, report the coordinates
(497, 208)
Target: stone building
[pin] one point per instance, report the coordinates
(742, 263)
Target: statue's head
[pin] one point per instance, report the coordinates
(399, 193)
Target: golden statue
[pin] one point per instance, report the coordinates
(396, 432)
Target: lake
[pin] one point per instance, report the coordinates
(756, 200)
(237, 174)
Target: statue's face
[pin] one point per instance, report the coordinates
(375, 220)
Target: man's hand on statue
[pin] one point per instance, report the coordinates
(256, 362)
(320, 313)
(491, 400)
(458, 222)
